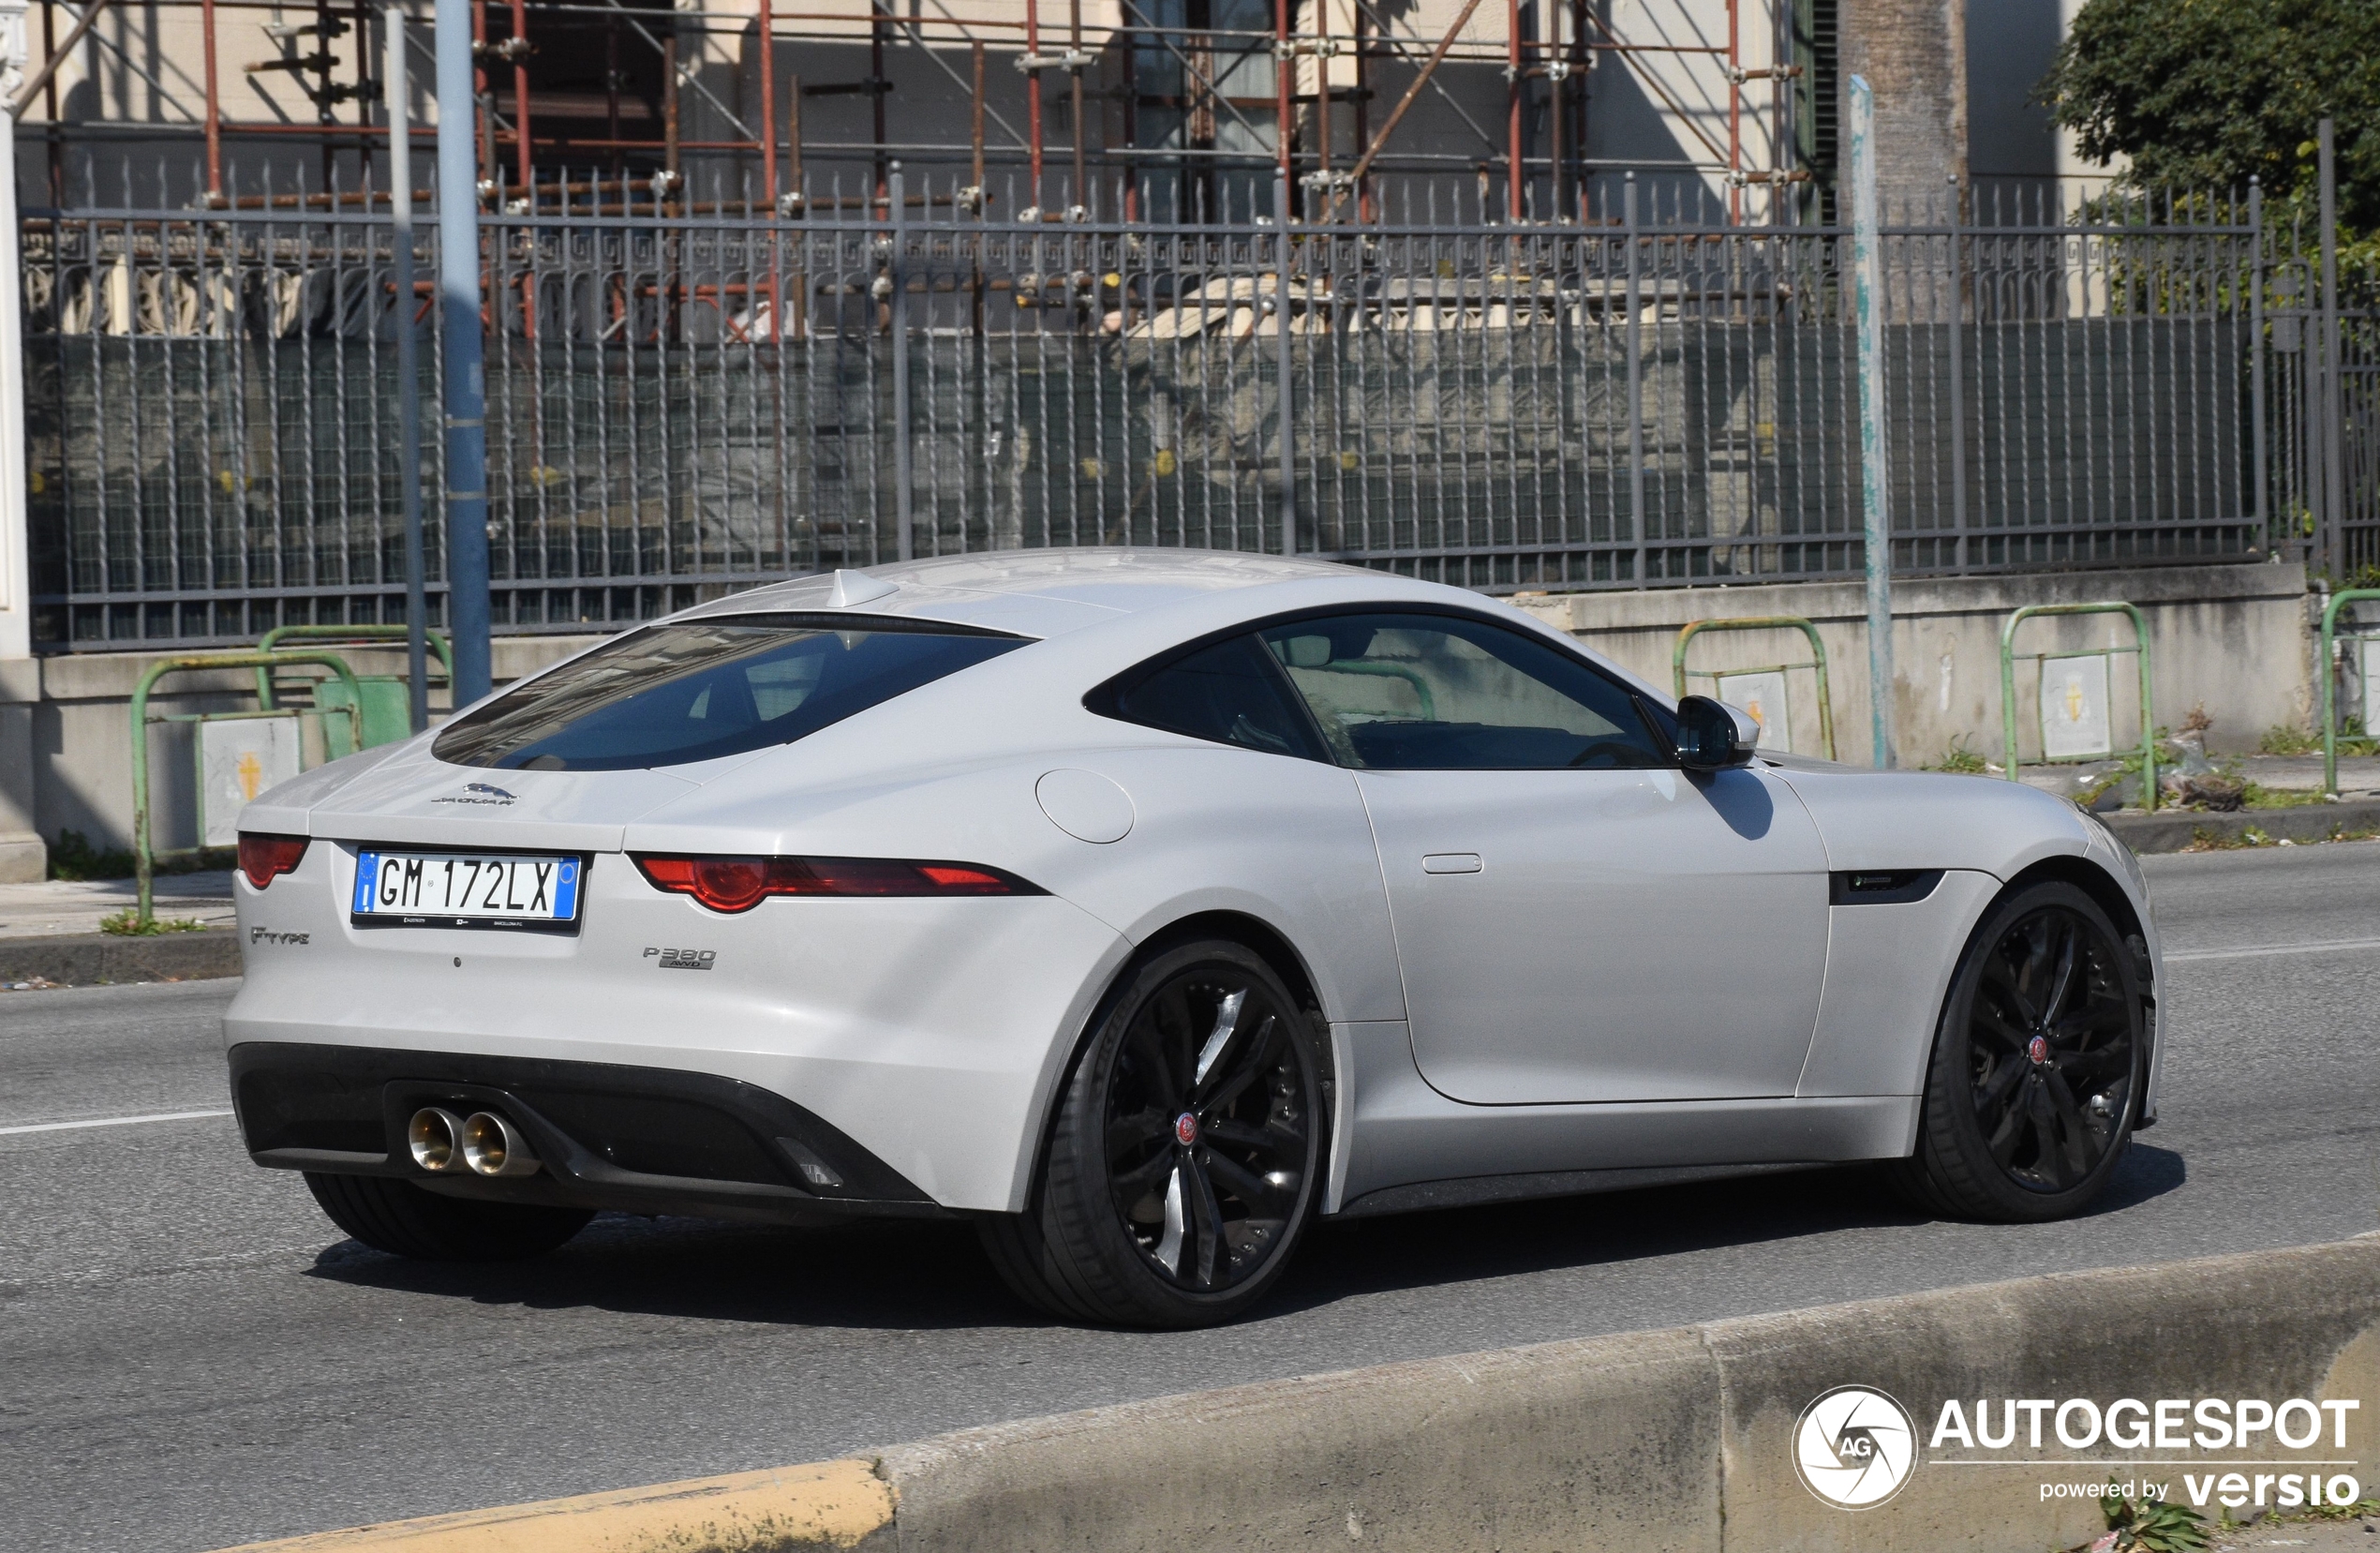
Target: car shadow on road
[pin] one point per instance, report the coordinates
(913, 1275)
(1355, 1257)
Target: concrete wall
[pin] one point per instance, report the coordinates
(76, 710)
(2236, 639)
(23, 855)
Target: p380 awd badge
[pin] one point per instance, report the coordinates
(683, 960)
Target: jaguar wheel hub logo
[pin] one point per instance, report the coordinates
(1854, 1447)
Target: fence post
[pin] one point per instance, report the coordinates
(2331, 409)
(904, 467)
(1635, 380)
(2258, 431)
(22, 855)
(16, 583)
(1958, 369)
(1285, 367)
(464, 355)
(1867, 270)
(408, 367)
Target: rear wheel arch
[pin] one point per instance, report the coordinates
(1056, 1253)
(1232, 926)
(1240, 927)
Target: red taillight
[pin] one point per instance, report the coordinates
(739, 884)
(264, 858)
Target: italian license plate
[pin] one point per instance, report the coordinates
(466, 889)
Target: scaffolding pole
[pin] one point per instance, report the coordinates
(515, 116)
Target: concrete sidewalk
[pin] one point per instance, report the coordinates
(2315, 1536)
(49, 932)
(2358, 775)
(65, 906)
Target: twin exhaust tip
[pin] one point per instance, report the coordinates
(484, 1143)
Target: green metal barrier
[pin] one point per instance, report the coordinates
(386, 714)
(2008, 685)
(1763, 623)
(2327, 674)
(143, 859)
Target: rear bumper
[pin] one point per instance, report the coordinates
(607, 1135)
(928, 1031)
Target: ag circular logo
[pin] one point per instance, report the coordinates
(1854, 1447)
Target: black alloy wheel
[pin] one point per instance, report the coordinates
(1187, 1155)
(2038, 1065)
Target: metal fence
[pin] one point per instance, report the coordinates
(687, 398)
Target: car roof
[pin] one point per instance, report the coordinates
(1030, 592)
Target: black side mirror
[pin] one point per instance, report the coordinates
(1712, 735)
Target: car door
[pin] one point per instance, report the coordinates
(1576, 919)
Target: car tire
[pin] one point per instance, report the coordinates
(1186, 1155)
(2038, 1064)
(404, 1220)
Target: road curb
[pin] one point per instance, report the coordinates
(2177, 831)
(1637, 1442)
(87, 959)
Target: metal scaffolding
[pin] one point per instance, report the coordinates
(537, 151)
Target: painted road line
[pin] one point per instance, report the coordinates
(111, 1121)
(2259, 951)
(826, 1504)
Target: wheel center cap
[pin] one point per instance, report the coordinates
(2038, 1049)
(1185, 1129)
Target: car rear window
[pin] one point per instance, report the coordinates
(1224, 691)
(697, 689)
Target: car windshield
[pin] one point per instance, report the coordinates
(674, 695)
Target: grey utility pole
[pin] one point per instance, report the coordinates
(1875, 485)
(461, 354)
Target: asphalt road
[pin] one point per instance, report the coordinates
(191, 1356)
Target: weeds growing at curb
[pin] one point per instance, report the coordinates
(2156, 1527)
(2204, 840)
(2287, 738)
(1962, 760)
(127, 924)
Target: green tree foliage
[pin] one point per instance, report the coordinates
(2203, 93)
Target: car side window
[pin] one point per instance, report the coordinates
(1224, 691)
(1416, 692)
